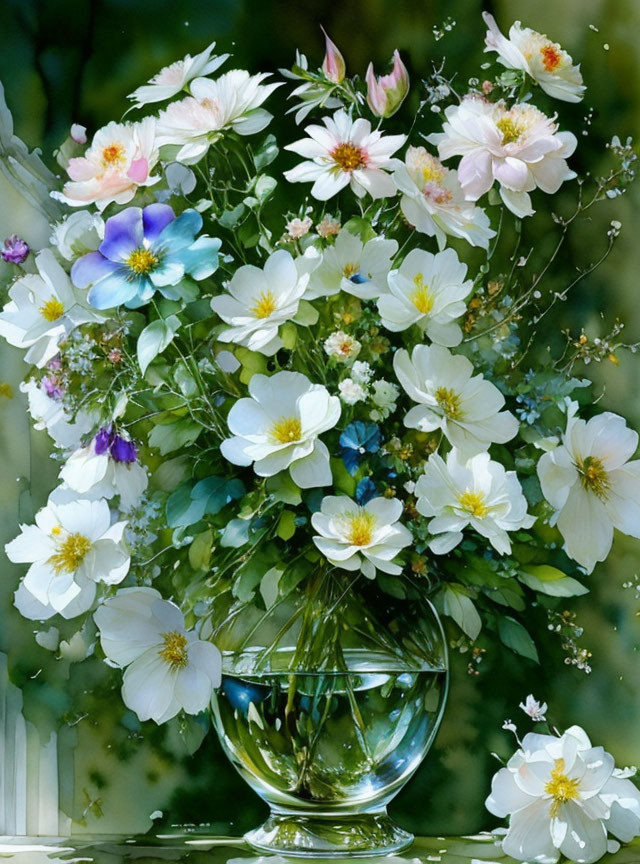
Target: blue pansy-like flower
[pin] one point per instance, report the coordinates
(144, 250)
(365, 491)
(358, 439)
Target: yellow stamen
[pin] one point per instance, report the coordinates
(265, 305)
(113, 154)
(361, 527)
(594, 477)
(560, 787)
(141, 261)
(421, 298)
(432, 170)
(51, 309)
(348, 157)
(350, 270)
(511, 129)
(449, 402)
(286, 430)
(70, 553)
(473, 503)
(175, 649)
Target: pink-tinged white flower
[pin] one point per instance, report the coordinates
(297, 228)
(387, 93)
(543, 60)
(43, 308)
(427, 290)
(350, 265)
(119, 161)
(328, 226)
(333, 65)
(478, 493)
(78, 133)
(170, 80)
(345, 152)
(311, 93)
(342, 346)
(434, 203)
(232, 101)
(520, 147)
(450, 397)
(70, 547)
(592, 486)
(260, 300)
(534, 709)
(366, 538)
(277, 428)
(562, 796)
(168, 669)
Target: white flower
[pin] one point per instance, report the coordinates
(592, 485)
(70, 546)
(78, 234)
(361, 372)
(345, 153)
(544, 60)
(534, 709)
(450, 397)
(232, 101)
(361, 538)
(297, 228)
(119, 161)
(427, 290)
(43, 309)
(562, 795)
(477, 493)
(434, 203)
(519, 147)
(353, 266)
(47, 411)
(384, 395)
(168, 669)
(259, 301)
(278, 428)
(170, 80)
(342, 346)
(351, 391)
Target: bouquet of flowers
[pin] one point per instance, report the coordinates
(245, 392)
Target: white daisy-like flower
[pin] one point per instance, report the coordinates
(170, 80)
(520, 147)
(345, 152)
(561, 796)
(352, 392)
(43, 309)
(118, 162)
(350, 265)
(366, 538)
(476, 493)
(168, 669)
(434, 203)
(70, 547)
(232, 101)
(427, 290)
(342, 346)
(47, 411)
(77, 234)
(450, 397)
(532, 52)
(278, 428)
(260, 300)
(592, 485)
(534, 709)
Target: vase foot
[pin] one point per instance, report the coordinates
(329, 836)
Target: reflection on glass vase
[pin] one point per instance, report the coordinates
(330, 701)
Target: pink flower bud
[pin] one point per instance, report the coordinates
(78, 133)
(386, 94)
(333, 65)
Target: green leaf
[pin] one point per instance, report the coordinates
(307, 314)
(460, 607)
(155, 338)
(184, 379)
(217, 492)
(230, 218)
(550, 580)
(514, 636)
(282, 487)
(286, 525)
(200, 550)
(252, 362)
(265, 186)
(289, 335)
(173, 435)
(269, 586)
(182, 510)
(360, 227)
(342, 480)
(236, 533)
(267, 152)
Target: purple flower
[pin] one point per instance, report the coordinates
(14, 250)
(52, 387)
(120, 449)
(102, 441)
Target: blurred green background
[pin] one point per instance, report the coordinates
(65, 61)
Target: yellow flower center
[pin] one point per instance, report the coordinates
(360, 528)
(421, 297)
(348, 157)
(175, 649)
(473, 503)
(70, 553)
(594, 477)
(432, 170)
(560, 787)
(51, 309)
(113, 154)
(286, 430)
(350, 270)
(141, 261)
(265, 305)
(449, 402)
(551, 57)
(511, 128)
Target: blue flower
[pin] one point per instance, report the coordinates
(357, 440)
(145, 250)
(365, 491)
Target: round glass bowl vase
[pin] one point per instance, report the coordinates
(329, 702)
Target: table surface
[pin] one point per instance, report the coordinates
(198, 848)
